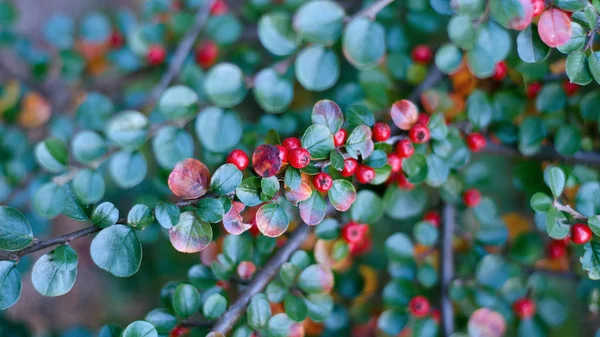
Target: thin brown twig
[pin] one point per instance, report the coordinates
(568, 209)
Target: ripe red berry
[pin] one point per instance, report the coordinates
(422, 54)
(436, 315)
(354, 232)
(206, 53)
(556, 249)
(419, 306)
(156, 55)
(405, 148)
(433, 217)
(116, 39)
(533, 89)
(500, 71)
(340, 137)
(299, 157)
(472, 197)
(361, 247)
(238, 158)
(476, 142)
(381, 132)
(423, 119)
(524, 308)
(179, 331)
(419, 134)
(219, 7)
(291, 143)
(538, 7)
(403, 183)
(570, 88)
(283, 153)
(395, 162)
(364, 174)
(322, 181)
(581, 233)
(350, 166)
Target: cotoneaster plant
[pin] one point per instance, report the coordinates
(336, 168)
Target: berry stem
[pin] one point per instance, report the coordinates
(568, 209)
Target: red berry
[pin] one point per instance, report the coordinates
(381, 132)
(156, 55)
(405, 148)
(500, 71)
(436, 315)
(206, 53)
(179, 331)
(476, 141)
(422, 54)
(419, 306)
(299, 157)
(524, 308)
(433, 217)
(538, 7)
(364, 174)
(238, 158)
(354, 232)
(361, 247)
(570, 88)
(116, 39)
(350, 166)
(533, 89)
(581, 233)
(322, 181)
(395, 162)
(472, 197)
(423, 119)
(403, 183)
(340, 137)
(556, 249)
(419, 134)
(219, 7)
(283, 153)
(291, 143)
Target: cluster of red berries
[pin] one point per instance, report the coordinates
(524, 308)
(364, 174)
(357, 238)
(534, 88)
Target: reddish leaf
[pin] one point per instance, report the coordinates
(300, 194)
(404, 113)
(271, 220)
(233, 220)
(520, 23)
(189, 179)
(266, 161)
(554, 27)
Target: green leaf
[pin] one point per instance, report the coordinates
(313, 209)
(162, 320)
(292, 179)
(342, 194)
(594, 64)
(415, 168)
(10, 284)
(479, 109)
(567, 140)
(139, 216)
(88, 146)
(88, 186)
(425, 327)
(191, 234)
(506, 11)
(50, 199)
(295, 308)
(359, 115)
(590, 260)
(319, 306)
(225, 94)
(425, 233)
(364, 43)
(118, 250)
(270, 188)
(214, 306)
(318, 140)
(316, 279)
(317, 68)
(532, 133)
(95, 111)
(210, 210)
(224, 29)
(555, 178)
(577, 68)
(105, 215)
(128, 129)
(399, 247)
(172, 145)
(140, 329)
(276, 34)
(588, 105)
(54, 273)
(337, 160)
(594, 223)
(258, 312)
(167, 214)
(530, 46)
(178, 101)
(186, 300)
(273, 92)
(403, 204)
(281, 325)
(320, 22)
(526, 248)
(127, 169)
(540, 202)
(437, 170)
(448, 58)
(392, 321)
(209, 127)
(52, 154)
(556, 225)
(571, 5)
(577, 40)
(226, 179)
(248, 192)
(367, 208)
(461, 31)
(551, 98)
(360, 143)
(328, 113)
(492, 271)
(271, 220)
(15, 230)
